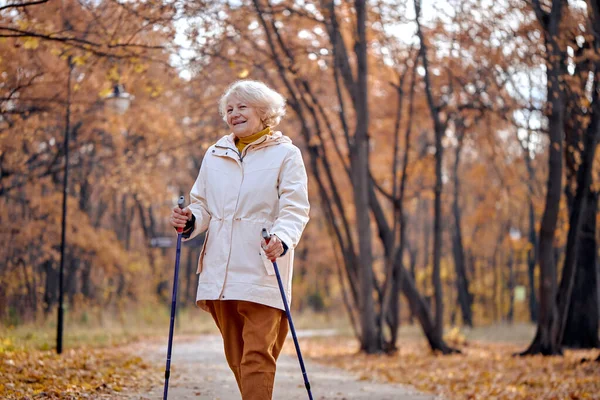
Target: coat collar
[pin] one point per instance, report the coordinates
(275, 137)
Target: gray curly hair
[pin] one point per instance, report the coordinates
(269, 103)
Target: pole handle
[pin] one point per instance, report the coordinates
(267, 237)
(180, 203)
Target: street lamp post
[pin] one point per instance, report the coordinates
(119, 100)
(59, 326)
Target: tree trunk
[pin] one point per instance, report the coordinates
(87, 286)
(360, 174)
(393, 286)
(531, 255)
(420, 310)
(50, 288)
(413, 274)
(548, 323)
(29, 304)
(548, 312)
(584, 182)
(394, 311)
(582, 322)
(578, 308)
(426, 233)
(511, 288)
(439, 129)
(462, 281)
(437, 235)
(531, 262)
(498, 284)
(71, 282)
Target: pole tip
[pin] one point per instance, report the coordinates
(181, 201)
(265, 234)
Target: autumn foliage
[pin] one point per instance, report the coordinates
(484, 370)
(451, 149)
(79, 373)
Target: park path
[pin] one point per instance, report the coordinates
(199, 371)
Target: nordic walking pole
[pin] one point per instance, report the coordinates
(267, 238)
(173, 303)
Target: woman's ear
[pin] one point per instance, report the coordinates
(263, 123)
(263, 117)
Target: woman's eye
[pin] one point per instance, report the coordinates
(242, 106)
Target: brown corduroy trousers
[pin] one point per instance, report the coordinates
(253, 335)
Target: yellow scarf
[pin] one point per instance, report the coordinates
(241, 143)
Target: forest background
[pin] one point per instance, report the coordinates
(450, 145)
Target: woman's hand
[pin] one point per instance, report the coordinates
(274, 249)
(179, 217)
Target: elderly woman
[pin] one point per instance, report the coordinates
(251, 179)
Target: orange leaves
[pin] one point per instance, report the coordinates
(105, 92)
(31, 43)
(140, 68)
(81, 59)
(483, 371)
(74, 374)
(113, 74)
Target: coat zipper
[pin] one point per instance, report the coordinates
(228, 148)
(245, 151)
(237, 202)
(236, 205)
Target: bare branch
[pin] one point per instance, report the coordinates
(22, 5)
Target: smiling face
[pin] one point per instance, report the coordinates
(243, 120)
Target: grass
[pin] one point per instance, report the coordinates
(99, 328)
(103, 329)
(520, 334)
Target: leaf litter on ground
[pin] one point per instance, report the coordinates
(483, 371)
(75, 374)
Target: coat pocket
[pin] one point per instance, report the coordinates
(202, 254)
(267, 263)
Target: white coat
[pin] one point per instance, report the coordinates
(234, 197)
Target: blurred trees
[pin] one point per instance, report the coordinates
(118, 163)
(572, 110)
(580, 327)
(434, 134)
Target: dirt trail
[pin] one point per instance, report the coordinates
(199, 371)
